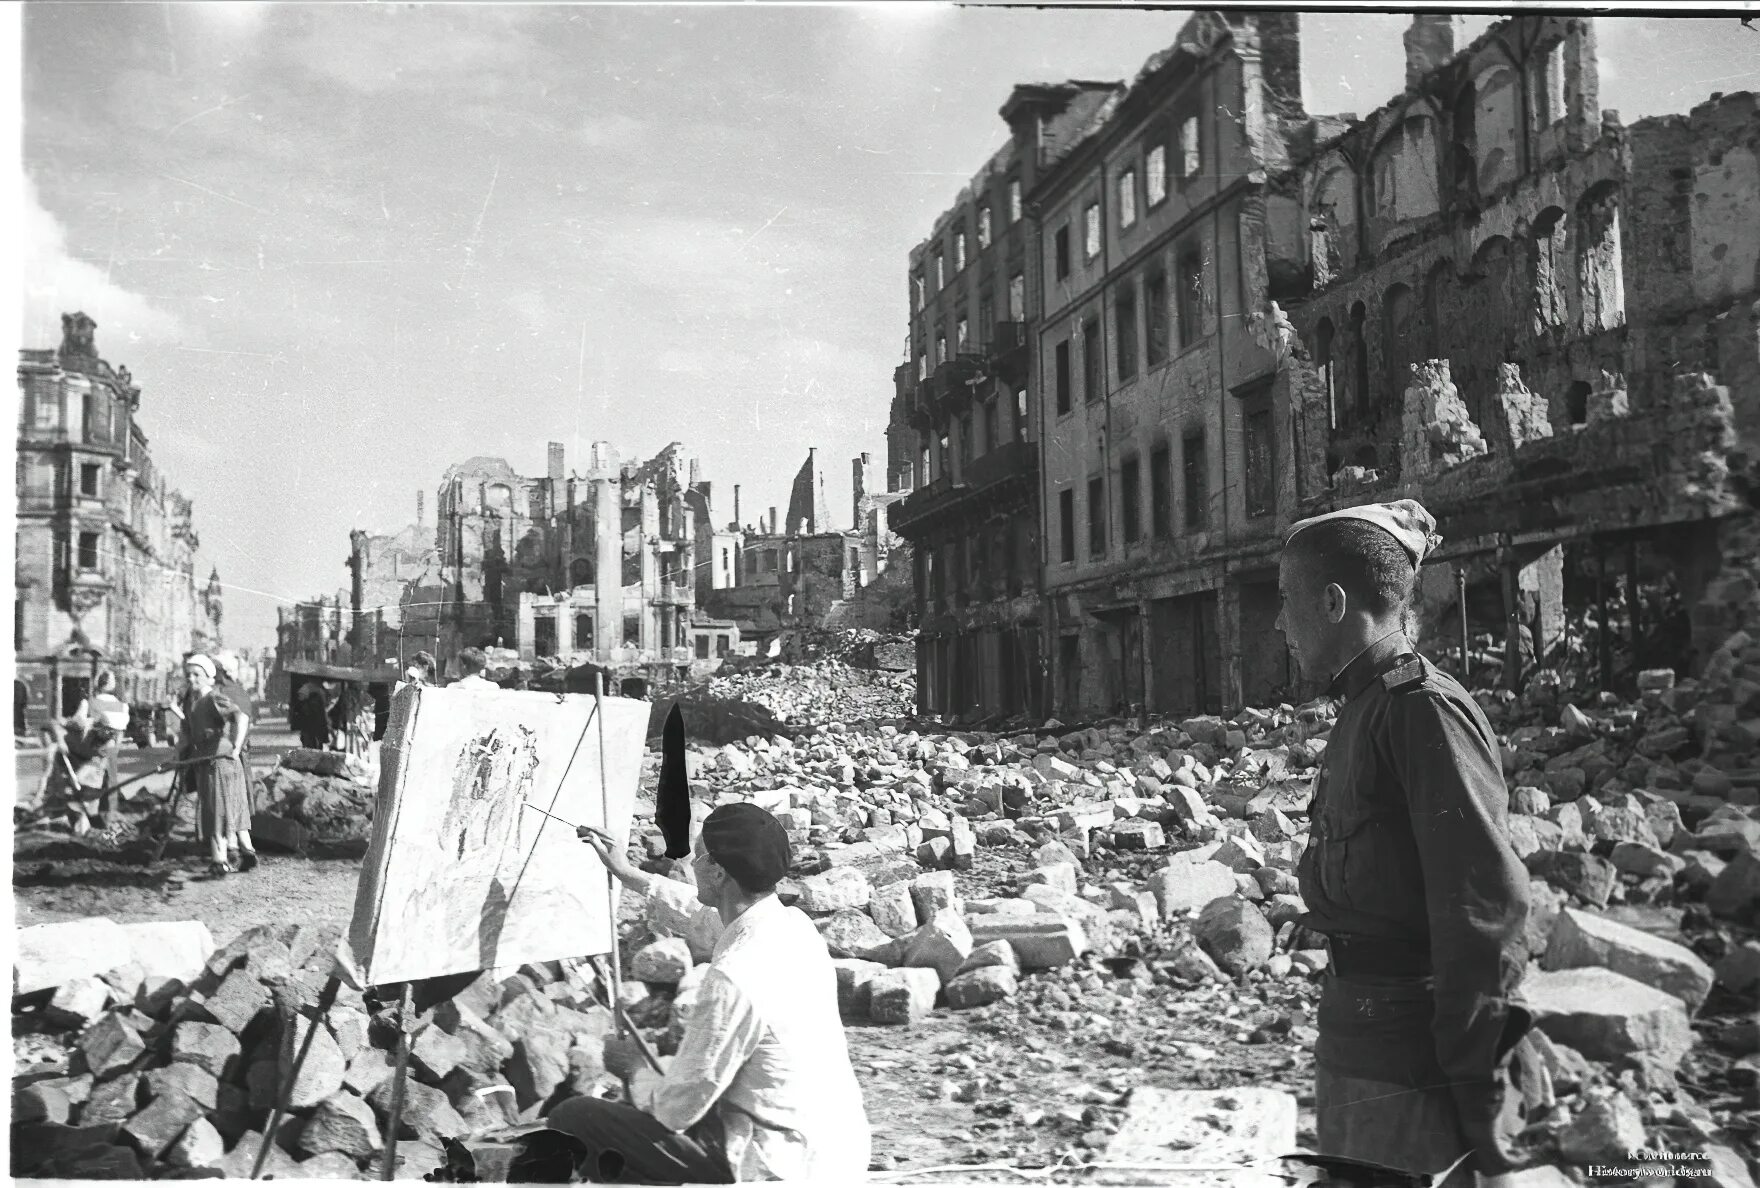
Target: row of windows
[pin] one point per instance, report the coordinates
(1186, 307)
(984, 429)
(1195, 483)
(1260, 487)
(960, 259)
(1191, 160)
(962, 330)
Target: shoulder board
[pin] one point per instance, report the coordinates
(1407, 674)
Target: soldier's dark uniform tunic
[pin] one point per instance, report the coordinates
(1410, 875)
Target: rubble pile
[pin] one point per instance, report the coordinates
(824, 691)
(1066, 878)
(160, 1076)
(314, 796)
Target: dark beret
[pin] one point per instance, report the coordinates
(749, 844)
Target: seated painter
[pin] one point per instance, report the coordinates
(761, 1087)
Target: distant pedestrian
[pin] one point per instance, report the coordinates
(100, 722)
(472, 662)
(227, 671)
(419, 671)
(309, 717)
(213, 731)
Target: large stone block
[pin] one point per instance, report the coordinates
(981, 987)
(1040, 941)
(943, 944)
(1735, 893)
(854, 981)
(852, 933)
(1583, 940)
(48, 955)
(1236, 934)
(931, 892)
(842, 887)
(161, 1123)
(902, 995)
(207, 1044)
(892, 908)
(342, 1122)
(1606, 1015)
(320, 1074)
(1183, 886)
(110, 1044)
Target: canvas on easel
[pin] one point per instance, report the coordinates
(461, 875)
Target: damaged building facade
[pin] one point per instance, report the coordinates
(1502, 301)
(1488, 294)
(568, 567)
(108, 566)
(624, 566)
(803, 570)
(962, 439)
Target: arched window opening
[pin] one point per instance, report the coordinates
(1600, 280)
(1323, 364)
(1398, 345)
(1551, 274)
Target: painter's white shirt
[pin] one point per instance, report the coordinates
(764, 1050)
(474, 681)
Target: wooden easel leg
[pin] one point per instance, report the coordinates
(398, 1075)
(326, 1000)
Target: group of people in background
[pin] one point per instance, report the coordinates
(214, 714)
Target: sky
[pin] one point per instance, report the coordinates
(341, 247)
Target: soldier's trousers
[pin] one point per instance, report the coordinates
(1415, 1130)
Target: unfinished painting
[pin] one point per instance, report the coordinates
(464, 872)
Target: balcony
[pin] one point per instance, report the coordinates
(674, 594)
(985, 474)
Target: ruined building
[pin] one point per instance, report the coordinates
(800, 570)
(1539, 321)
(963, 415)
(567, 567)
(1488, 294)
(109, 572)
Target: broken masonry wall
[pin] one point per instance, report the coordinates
(1726, 198)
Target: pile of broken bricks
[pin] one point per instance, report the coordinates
(1181, 839)
(180, 1075)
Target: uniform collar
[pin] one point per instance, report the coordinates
(1370, 663)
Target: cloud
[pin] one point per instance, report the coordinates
(611, 131)
(58, 282)
(484, 52)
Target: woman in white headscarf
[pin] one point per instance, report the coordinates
(213, 729)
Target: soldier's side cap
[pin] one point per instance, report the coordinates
(1404, 519)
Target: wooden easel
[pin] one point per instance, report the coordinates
(400, 1069)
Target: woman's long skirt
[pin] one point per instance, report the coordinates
(222, 798)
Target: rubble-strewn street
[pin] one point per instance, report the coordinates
(1192, 579)
(1028, 928)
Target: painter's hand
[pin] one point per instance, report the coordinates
(622, 1056)
(615, 860)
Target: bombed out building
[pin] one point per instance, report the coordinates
(1488, 294)
(109, 572)
(568, 567)
(1539, 321)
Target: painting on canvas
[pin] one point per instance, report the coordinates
(462, 874)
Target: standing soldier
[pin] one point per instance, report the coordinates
(1409, 871)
